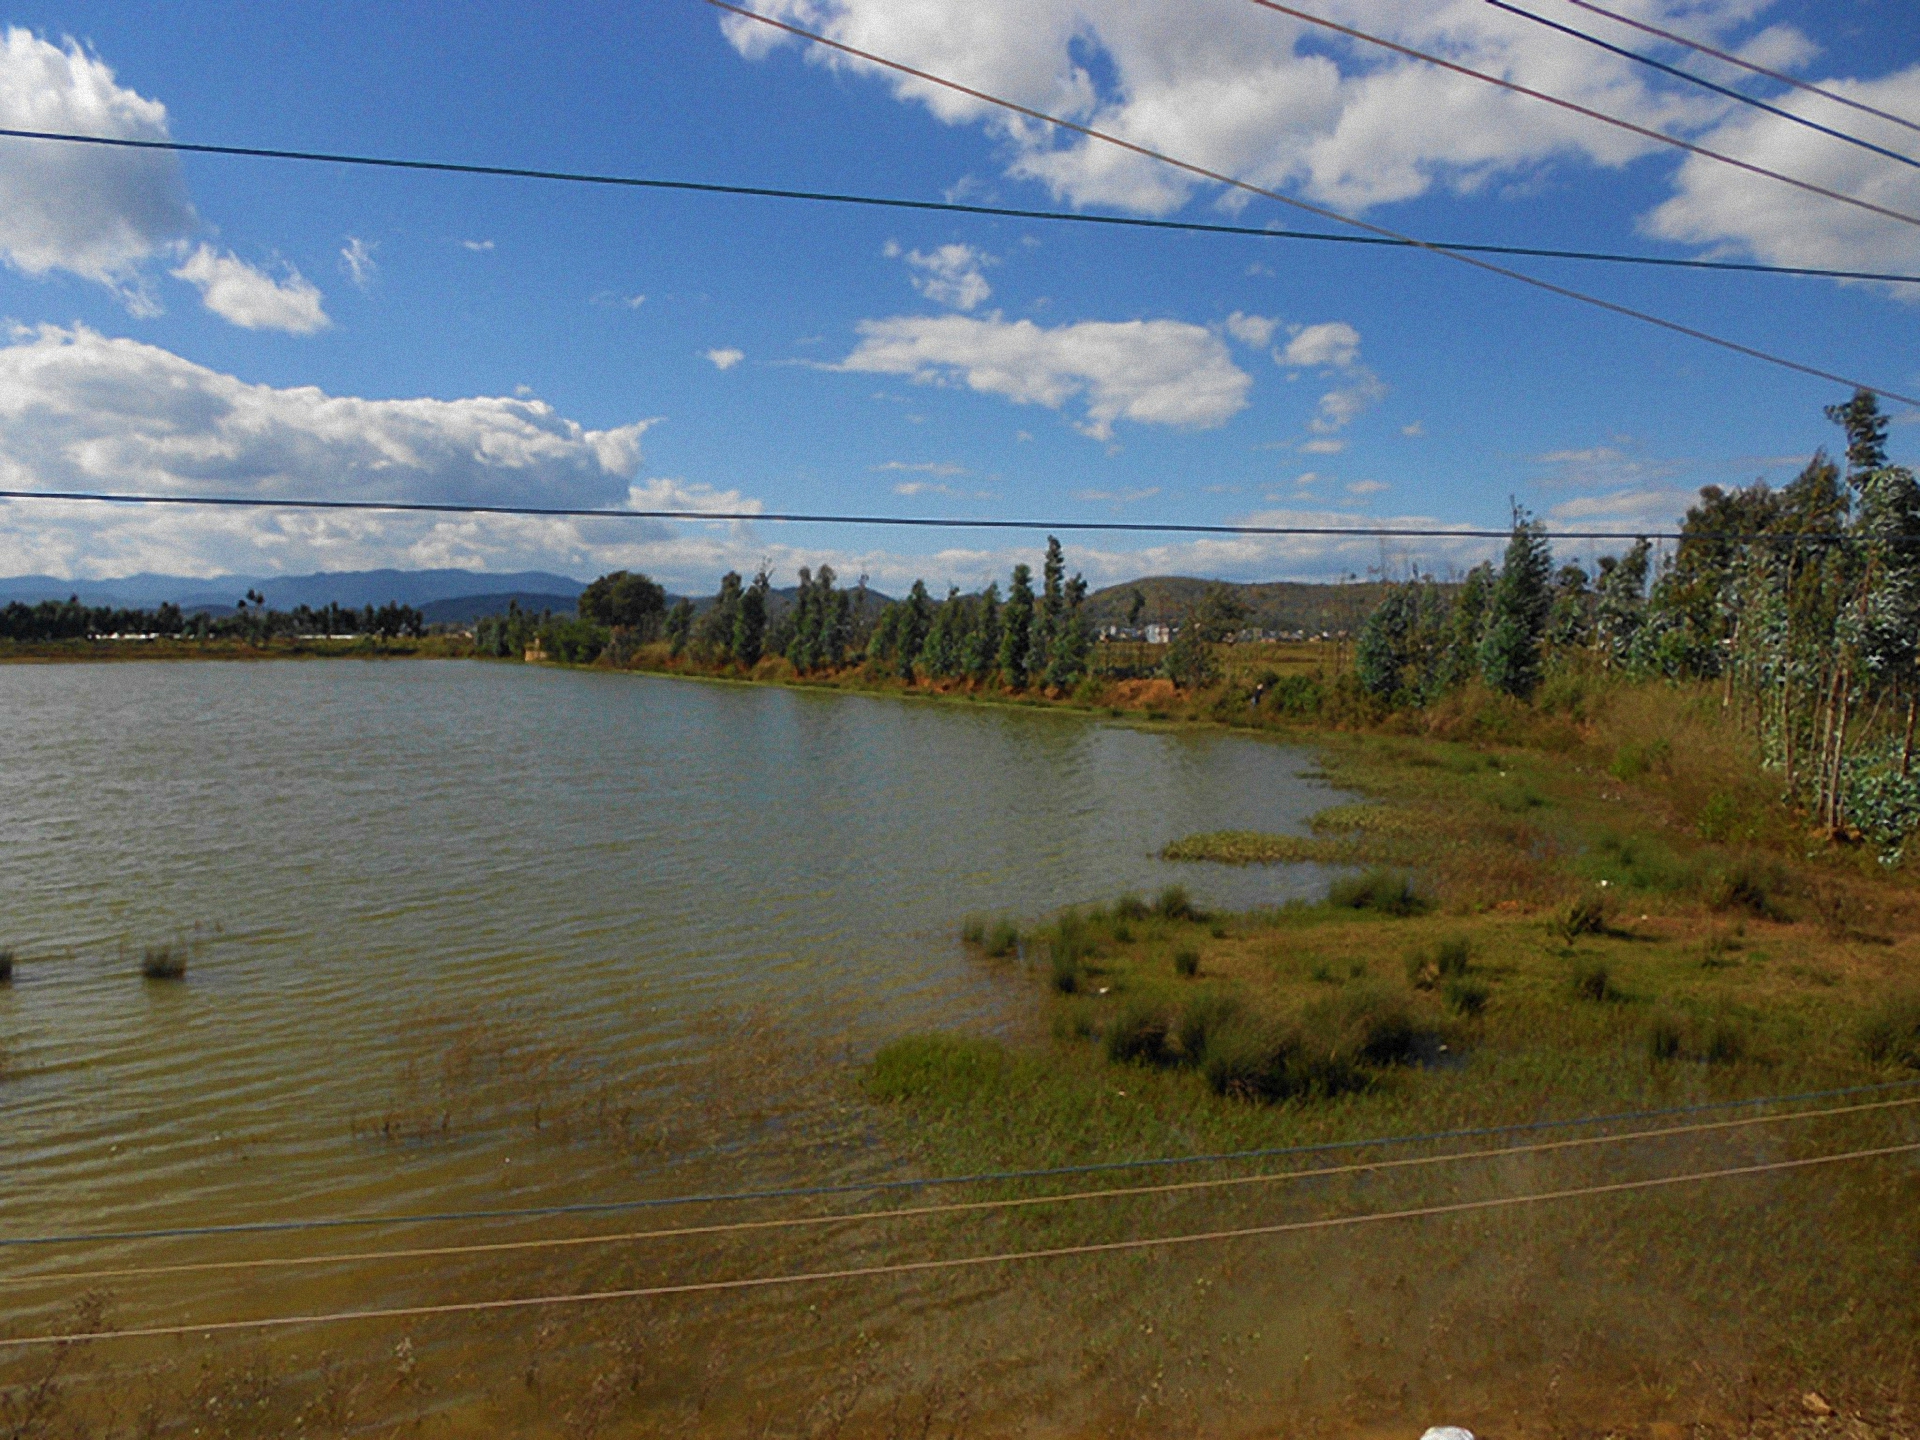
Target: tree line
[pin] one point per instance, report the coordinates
(1803, 602)
(251, 621)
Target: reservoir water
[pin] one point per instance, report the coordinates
(428, 898)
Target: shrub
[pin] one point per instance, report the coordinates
(1140, 1034)
(1386, 891)
(1175, 904)
(1592, 981)
(1131, 907)
(1378, 1027)
(1186, 961)
(1890, 1034)
(1465, 997)
(164, 962)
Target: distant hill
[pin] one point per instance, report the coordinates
(1274, 605)
(354, 588)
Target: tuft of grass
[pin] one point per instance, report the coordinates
(1386, 892)
(1748, 883)
(1066, 972)
(1176, 904)
(998, 937)
(1141, 1033)
(1726, 1041)
(1593, 981)
(1248, 1060)
(1130, 907)
(164, 962)
(951, 1069)
(6, 967)
(1199, 1020)
(1666, 1038)
(1890, 1032)
(1584, 916)
(1186, 961)
(1465, 997)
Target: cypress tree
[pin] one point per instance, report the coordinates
(750, 626)
(1068, 660)
(1517, 615)
(679, 625)
(1016, 629)
(1052, 606)
(981, 651)
(716, 627)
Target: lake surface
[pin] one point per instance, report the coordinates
(430, 892)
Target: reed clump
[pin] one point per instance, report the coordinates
(997, 937)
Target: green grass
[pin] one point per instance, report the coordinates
(1383, 891)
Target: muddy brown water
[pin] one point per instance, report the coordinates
(466, 936)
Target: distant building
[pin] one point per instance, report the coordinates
(1159, 634)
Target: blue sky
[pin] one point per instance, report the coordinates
(247, 327)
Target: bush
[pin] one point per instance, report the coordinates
(1465, 997)
(1186, 961)
(1592, 981)
(1175, 904)
(1140, 1034)
(164, 962)
(1377, 1026)
(1890, 1034)
(1130, 907)
(1381, 890)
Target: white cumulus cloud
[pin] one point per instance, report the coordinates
(1255, 330)
(83, 411)
(1285, 105)
(949, 275)
(1152, 372)
(1727, 209)
(725, 359)
(1334, 345)
(95, 211)
(253, 299)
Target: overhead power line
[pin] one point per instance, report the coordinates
(952, 207)
(1704, 83)
(991, 1177)
(909, 522)
(1745, 64)
(1602, 116)
(924, 1212)
(1218, 177)
(958, 1262)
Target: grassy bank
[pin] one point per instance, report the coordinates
(1551, 913)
